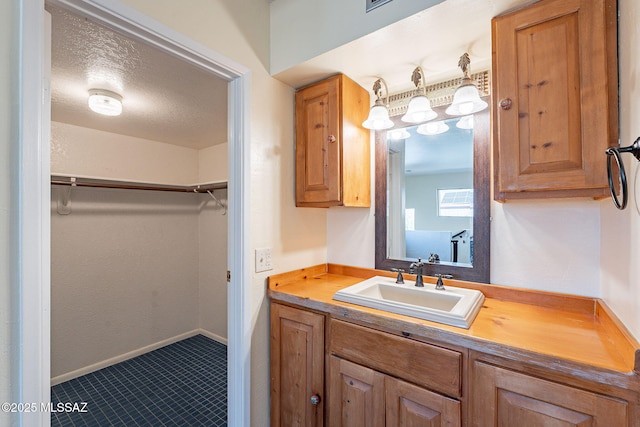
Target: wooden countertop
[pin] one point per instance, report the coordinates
(575, 335)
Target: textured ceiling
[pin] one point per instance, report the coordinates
(165, 99)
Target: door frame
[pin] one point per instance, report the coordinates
(31, 192)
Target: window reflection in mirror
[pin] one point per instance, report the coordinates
(430, 185)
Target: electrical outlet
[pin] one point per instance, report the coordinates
(263, 260)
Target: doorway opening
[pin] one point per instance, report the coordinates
(35, 353)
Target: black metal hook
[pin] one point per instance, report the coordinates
(614, 152)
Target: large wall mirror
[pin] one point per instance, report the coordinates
(433, 196)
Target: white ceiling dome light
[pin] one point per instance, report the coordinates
(105, 102)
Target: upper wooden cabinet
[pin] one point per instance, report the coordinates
(332, 147)
(555, 99)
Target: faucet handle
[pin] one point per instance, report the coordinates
(399, 279)
(440, 283)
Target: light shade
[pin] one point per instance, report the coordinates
(433, 128)
(105, 102)
(466, 100)
(419, 110)
(465, 122)
(397, 134)
(378, 117)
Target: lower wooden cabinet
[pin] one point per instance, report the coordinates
(409, 405)
(297, 367)
(359, 376)
(356, 395)
(504, 398)
(361, 396)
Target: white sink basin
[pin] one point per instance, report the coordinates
(453, 306)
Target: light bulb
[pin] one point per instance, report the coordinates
(105, 102)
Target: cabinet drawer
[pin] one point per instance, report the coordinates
(433, 367)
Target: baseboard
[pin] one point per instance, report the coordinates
(121, 358)
(214, 336)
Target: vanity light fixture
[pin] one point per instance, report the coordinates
(379, 114)
(419, 109)
(466, 99)
(432, 128)
(105, 102)
(465, 122)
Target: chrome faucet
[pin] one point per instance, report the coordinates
(416, 268)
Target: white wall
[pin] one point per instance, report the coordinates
(213, 165)
(239, 29)
(76, 150)
(549, 245)
(351, 236)
(8, 84)
(131, 269)
(124, 273)
(620, 231)
(304, 29)
(80, 151)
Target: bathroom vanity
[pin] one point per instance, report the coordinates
(536, 357)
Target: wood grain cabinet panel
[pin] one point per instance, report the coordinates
(504, 398)
(297, 367)
(408, 405)
(332, 147)
(556, 62)
(356, 395)
(362, 397)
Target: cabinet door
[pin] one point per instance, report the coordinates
(504, 398)
(318, 140)
(556, 61)
(410, 406)
(297, 367)
(356, 395)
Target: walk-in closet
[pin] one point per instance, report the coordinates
(138, 232)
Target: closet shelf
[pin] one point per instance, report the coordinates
(131, 185)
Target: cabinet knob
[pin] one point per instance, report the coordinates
(315, 399)
(506, 103)
(332, 138)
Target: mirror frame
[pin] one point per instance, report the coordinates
(479, 271)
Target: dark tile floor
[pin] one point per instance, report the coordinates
(182, 384)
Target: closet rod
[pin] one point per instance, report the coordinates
(100, 183)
